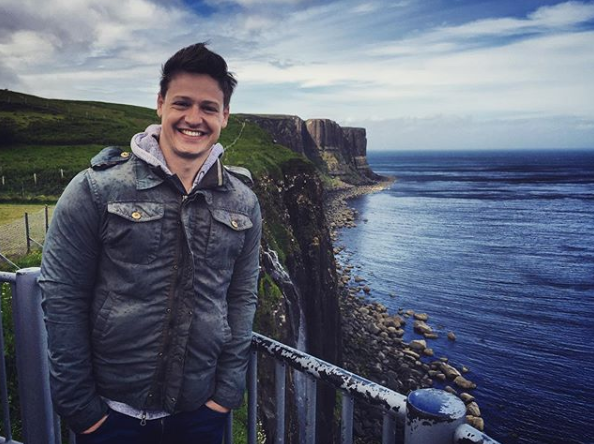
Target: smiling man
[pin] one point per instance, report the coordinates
(149, 274)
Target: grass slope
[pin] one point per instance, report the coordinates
(45, 142)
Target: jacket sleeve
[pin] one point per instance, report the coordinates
(242, 297)
(69, 263)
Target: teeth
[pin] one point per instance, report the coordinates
(191, 133)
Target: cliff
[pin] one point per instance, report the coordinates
(340, 152)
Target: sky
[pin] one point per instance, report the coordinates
(417, 74)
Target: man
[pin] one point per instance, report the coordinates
(149, 274)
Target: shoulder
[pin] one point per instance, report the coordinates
(109, 157)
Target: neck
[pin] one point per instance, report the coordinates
(186, 170)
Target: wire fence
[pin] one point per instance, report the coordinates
(24, 235)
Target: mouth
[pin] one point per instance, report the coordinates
(192, 133)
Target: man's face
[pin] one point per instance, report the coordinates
(192, 116)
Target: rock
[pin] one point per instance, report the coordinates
(373, 329)
(363, 310)
(418, 344)
(450, 371)
(366, 289)
(449, 389)
(475, 422)
(464, 383)
(421, 327)
(472, 408)
(359, 279)
(441, 377)
(464, 369)
(451, 336)
(466, 397)
(421, 316)
(428, 352)
(430, 335)
(411, 353)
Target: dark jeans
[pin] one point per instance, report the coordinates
(202, 426)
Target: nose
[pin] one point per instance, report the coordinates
(194, 116)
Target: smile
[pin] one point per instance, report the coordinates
(191, 133)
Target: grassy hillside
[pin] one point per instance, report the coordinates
(45, 142)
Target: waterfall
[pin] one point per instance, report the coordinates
(296, 316)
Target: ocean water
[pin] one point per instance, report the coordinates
(499, 248)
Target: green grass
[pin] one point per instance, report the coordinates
(13, 212)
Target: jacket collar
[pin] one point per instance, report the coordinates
(147, 176)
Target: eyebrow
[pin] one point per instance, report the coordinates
(203, 102)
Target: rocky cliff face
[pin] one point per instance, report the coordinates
(339, 151)
(298, 287)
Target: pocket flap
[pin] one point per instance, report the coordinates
(235, 221)
(137, 211)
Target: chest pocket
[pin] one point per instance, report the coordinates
(227, 235)
(133, 231)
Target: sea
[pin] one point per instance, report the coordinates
(498, 247)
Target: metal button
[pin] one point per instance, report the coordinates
(150, 395)
(173, 399)
(125, 154)
(168, 310)
(136, 215)
(175, 267)
(234, 224)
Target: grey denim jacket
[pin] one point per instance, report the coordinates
(149, 294)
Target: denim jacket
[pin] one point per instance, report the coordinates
(149, 294)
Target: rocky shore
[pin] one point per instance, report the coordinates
(373, 344)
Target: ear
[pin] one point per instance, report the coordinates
(225, 117)
(160, 101)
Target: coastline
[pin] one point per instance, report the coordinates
(372, 338)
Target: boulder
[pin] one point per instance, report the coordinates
(464, 383)
(475, 422)
(451, 336)
(418, 344)
(421, 327)
(430, 335)
(472, 408)
(421, 316)
(428, 352)
(466, 397)
(450, 371)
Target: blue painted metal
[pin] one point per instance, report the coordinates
(312, 401)
(361, 388)
(252, 383)
(346, 423)
(280, 371)
(466, 434)
(426, 410)
(32, 364)
(433, 416)
(3, 379)
(389, 428)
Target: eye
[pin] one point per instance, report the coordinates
(210, 109)
(181, 104)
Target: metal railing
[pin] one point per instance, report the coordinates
(427, 415)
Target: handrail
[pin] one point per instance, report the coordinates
(355, 385)
(430, 415)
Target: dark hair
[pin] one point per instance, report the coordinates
(197, 59)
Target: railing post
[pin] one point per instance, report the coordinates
(389, 428)
(432, 416)
(279, 385)
(27, 233)
(32, 363)
(310, 421)
(346, 423)
(252, 377)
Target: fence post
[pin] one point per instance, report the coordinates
(432, 416)
(27, 233)
(32, 363)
